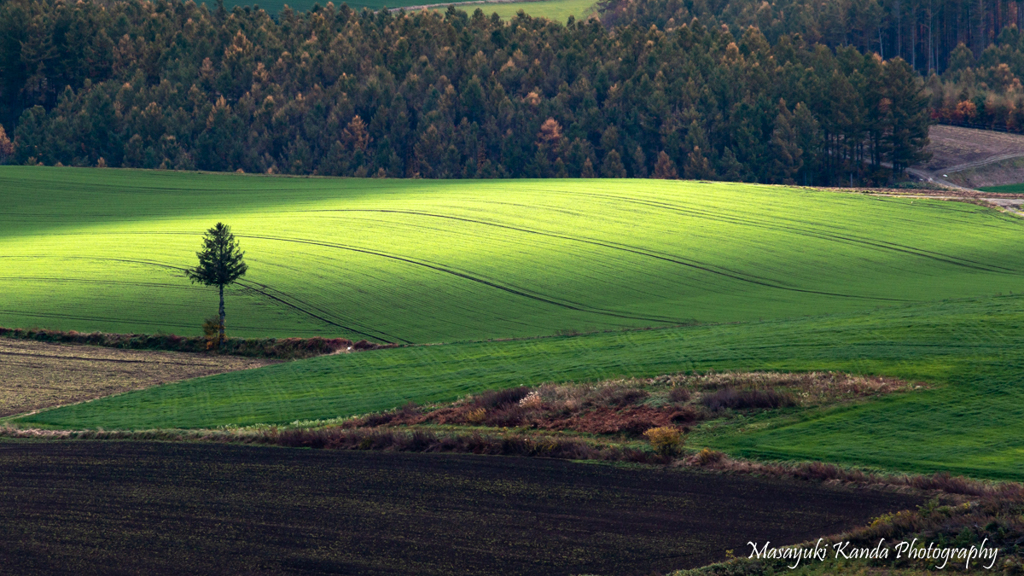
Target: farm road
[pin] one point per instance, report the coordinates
(88, 507)
(955, 149)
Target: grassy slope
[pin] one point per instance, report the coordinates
(428, 261)
(972, 425)
(1008, 189)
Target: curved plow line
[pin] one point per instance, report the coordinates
(892, 246)
(90, 318)
(73, 280)
(694, 264)
(261, 289)
(568, 304)
(96, 359)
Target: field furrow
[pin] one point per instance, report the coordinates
(430, 261)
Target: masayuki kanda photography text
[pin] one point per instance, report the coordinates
(976, 556)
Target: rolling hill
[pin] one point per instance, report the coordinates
(970, 422)
(414, 261)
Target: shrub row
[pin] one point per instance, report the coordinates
(335, 438)
(285, 348)
(567, 448)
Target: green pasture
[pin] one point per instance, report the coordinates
(971, 421)
(1007, 189)
(557, 10)
(415, 261)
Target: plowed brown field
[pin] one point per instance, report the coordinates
(93, 507)
(37, 375)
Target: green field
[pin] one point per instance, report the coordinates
(972, 422)
(781, 279)
(557, 10)
(1008, 189)
(432, 261)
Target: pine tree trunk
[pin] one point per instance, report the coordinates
(221, 314)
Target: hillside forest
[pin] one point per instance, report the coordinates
(734, 90)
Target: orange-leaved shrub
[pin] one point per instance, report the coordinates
(665, 440)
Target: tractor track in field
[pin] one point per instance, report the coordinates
(88, 359)
(890, 246)
(569, 305)
(91, 318)
(693, 264)
(258, 288)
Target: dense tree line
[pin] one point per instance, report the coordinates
(982, 92)
(972, 52)
(168, 84)
(925, 33)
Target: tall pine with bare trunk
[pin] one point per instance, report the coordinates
(220, 264)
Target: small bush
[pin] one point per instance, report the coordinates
(679, 394)
(211, 331)
(502, 398)
(665, 440)
(372, 420)
(738, 400)
(506, 417)
(621, 397)
(476, 416)
(532, 400)
(706, 456)
(686, 414)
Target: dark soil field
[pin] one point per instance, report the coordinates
(86, 507)
(37, 375)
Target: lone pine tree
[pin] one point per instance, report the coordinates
(220, 263)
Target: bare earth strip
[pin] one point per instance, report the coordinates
(970, 158)
(36, 375)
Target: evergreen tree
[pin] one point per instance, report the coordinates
(220, 264)
(698, 167)
(665, 169)
(908, 118)
(612, 166)
(356, 94)
(785, 148)
(6, 147)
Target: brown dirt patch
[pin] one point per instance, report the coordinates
(1001, 173)
(953, 146)
(35, 375)
(973, 158)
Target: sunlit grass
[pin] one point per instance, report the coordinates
(432, 261)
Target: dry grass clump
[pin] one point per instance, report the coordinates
(807, 388)
(745, 399)
(940, 482)
(631, 406)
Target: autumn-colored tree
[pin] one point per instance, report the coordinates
(442, 95)
(665, 169)
(6, 146)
